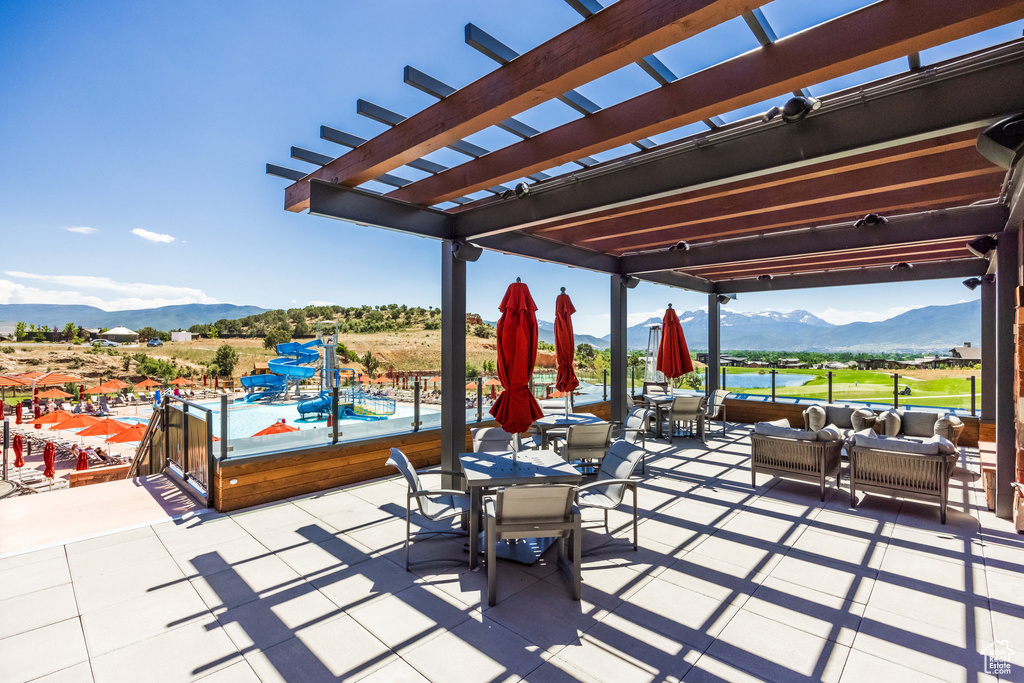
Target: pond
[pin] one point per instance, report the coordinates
(753, 380)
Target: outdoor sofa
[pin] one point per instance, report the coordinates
(784, 451)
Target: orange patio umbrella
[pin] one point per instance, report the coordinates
(53, 418)
(12, 381)
(76, 422)
(435, 380)
(133, 433)
(52, 378)
(491, 382)
(180, 381)
(118, 384)
(277, 428)
(99, 389)
(54, 393)
(104, 427)
(147, 383)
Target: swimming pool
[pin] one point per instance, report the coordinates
(753, 380)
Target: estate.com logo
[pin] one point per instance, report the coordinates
(997, 658)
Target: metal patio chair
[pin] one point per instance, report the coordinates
(613, 480)
(587, 443)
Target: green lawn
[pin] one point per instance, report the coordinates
(866, 385)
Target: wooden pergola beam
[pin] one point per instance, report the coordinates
(617, 36)
(886, 30)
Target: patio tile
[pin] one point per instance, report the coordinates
(797, 492)
(182, 654)
(339, 649)
(546, 615)
(107, 540)
(750, 525)
(712, 577)
(397, 671)
(327, 502)
(470, 586)
(604, 582)
(262, 624)
(820, 614)
(847, 548)
(362, 517)
(847, 581)
(236, 673)
(197, 561)
(41, 608)
(28, 578)
(285, 537)
(272, 516)
(931, 604)
(102, 590)
(475, 651)
(79, 673)
(411, 616)
(386, 491)
(1008, 626)
(334, 553)
(559, 671)
(223, 586)
(777, 652)
(707, 669)
(861, 666)
(752, 555)
(23, 559)
(146, 616)
(118, 558)
(1005, 588)
(850, 521)
(650, 559)
(196, 535)
(966, 574)
(45, 650)
(363, 582)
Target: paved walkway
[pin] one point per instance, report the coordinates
(730, 584)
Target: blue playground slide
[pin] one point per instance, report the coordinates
(272, 385)
(295, 359)
(320, 405)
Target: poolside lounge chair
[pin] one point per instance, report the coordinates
(613, 480)
(433, 504)
(540, 511)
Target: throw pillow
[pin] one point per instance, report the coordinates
(769, 429)
(829, 433)
(814, 418)
(944, 445)
(947, 425)
(862, 418)
(890, 423)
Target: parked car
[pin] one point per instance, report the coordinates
(154, 342)
(105, 342)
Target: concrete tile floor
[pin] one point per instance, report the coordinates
(730, 583)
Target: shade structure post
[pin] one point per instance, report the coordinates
(714, 343)
(1006, 313)
(618, 348)
(988, 348)
(453, 361)
(974, 396)
(773, 373)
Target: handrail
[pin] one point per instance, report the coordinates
(144, 444)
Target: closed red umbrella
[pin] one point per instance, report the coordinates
(83, 461)
(39, 413)
(673, 355)
(516, 408)
(17, 414)
(565, 346)
(19, 461)
(49, 454)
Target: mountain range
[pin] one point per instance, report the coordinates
(161, 318)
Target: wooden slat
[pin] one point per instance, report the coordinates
(885, 30)
(610, 40)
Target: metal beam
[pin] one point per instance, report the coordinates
(849, 125)
(858, 276)
(884, 31)
(619, 384)
(759, 26)
(523, 244)
(284, 172)
(1006, 369)
(364, 208)
(678, 280)
(311, 157)
(922, 227)
(340, 137)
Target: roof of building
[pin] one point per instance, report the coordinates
(966, 352)
(120, 330)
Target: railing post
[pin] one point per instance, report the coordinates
(416, 406)
(973, 396)
(7, 441)
(723, 377)
(186, 465)
(773, 373)
(604, 390)
(223, 428)
(895, 390)
(830, 386)
(334, 414)
(479, 399)
(165, 409)
(632, 382)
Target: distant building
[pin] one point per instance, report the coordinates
(966, 355)
(121, 335)
(181, 336)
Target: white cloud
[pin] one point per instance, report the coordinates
(152, 236)
(136, 294)
(82, 230)
(839, 317)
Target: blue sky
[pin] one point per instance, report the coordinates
(135, 137)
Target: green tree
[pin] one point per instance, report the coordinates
(147, 333)
(483, 331)
(694, 380)
(70, 331)
(19, 331)
(225, 360)
(302, 329)
(489, 367)
(544, 346)
(369, 362)
(275, 337)
(471, 371)
(585, 354)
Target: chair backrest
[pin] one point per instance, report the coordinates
(491, 440)
(589, 436)
(716, 401)
(685, 406)
(634, 423)
(620, 462)
(655, 388)
(401, 461)
(535, 504)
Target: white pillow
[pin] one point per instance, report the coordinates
(944, 445)
(829, 433)
(814, 418)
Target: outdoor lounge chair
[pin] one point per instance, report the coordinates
(783, 451)
(433, 504)
(539, 511)
(687, 410)
(613, 480)
(587, 443)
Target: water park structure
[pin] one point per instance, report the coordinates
(297, 363)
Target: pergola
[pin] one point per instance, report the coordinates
(753, 205)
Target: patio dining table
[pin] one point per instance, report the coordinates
(660, 403)
(562, 422)
(485, 471)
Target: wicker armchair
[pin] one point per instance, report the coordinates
(911, 475)
(795, 459)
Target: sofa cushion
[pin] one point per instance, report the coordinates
(889, 423)
(814, 418)
(918, 422)
(888, 443)
(769, 429)
(862, 418)
(830, 433)
(840, 416)
(945, 446)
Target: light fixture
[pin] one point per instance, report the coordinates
(464, 251)
(1002, 143)
(764, 278)
(725, 298)
(794, 110)
(629, 282)
(870, 220)
(981, 246)
(902, 265)
(519, 191)
(972, 283)
(680, 246)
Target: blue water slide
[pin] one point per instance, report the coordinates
(294, 361)
(272, 385)
(321, 404)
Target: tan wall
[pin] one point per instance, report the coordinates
(98, 475)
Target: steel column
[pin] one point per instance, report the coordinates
(714, 342)
(1006, 310)
(453, 361)
(618, 348)
(988, 348)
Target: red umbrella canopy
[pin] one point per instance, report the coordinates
(565, 343)
(49, 454)
(516, 408)
(276, 428)
(54, 393)
(104, 427)
(180, 381)
(673, 355)
(76, 422)
(146, 383)
(133, 433)
(53, 418)
(99, 389)
(17, 414)
(118, 384)
(19, 461)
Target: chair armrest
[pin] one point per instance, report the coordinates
(436, 492)
(605, 482)
(432, 471)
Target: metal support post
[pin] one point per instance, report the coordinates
(604, 386)
(335, 404)
(223, 428)
(830, 386)
(416, 406)
(773, 373)
(617, 300)
(723, 378)
(479, 399)
(973, 396)
(165, 418)
(1006, 313)
(896, 390)
(988, 348)
(186, 465)
(453, 362)
(7, 443)
(714, 336)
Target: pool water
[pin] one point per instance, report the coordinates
(245, 419)
(753, 380)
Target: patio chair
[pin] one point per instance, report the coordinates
(538, 511)
(433, 504)
(634, 429)
(687, 410)
(587, 443)
(716, 407)
(613, 480)
(491, 440)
